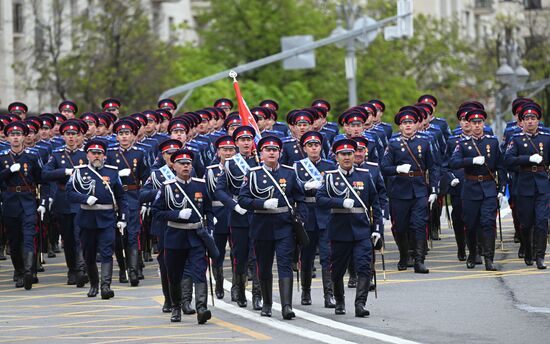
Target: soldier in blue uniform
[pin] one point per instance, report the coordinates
(58, 169)
(350, 195)
(225, 104)
(274, 106)
(133, 172)
(19, 109)
(68, 109)
(111, 105)
(225, 149)
(184, 203)
(377, 120)
(97, 188)
(20, 176)
(439, 122)
(484, 185)
(455, 179)
(146, 196)
(309, 172)
(227, 190)
(267, 191)
(300, 122)
(528, 154)
(409, 160)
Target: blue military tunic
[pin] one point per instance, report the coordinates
(19, 197)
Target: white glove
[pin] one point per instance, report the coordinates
(375, 237)
(124, 172)
(15, 167)
(241, 210)
(121, 225)
(50, 203)
(143, 212)
(432, 199)
(41, 210)
(91, 200)
(271, 203)
(479, 160)
(69, 171)
(215, 220)
(536, 158)
(405, 168)
(185, 214)
(313, 185)
(348, 203)
(455, 182)
(500, 196)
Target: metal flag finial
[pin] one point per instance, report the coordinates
(233, 74)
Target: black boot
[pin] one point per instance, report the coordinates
(473, 253)
(186, 296)
(80, 273)
(241, 280)
(94, 280)
(266, 287)
(285, 291)
(201, 302)
(256, 293)
(175, 297)
(28, 261)
(305, 275)
(403, 246)
(541, 243)
(140, 266)
(327, 289)
(352, 281)
(167, 306)
(133, 267)
(419, 254)
(339, 297)
(410, 248)
(106, 276)
(479, 252)
(234, 287)
(460, 244)
(218, 276)
(527, 243)
(489, 253)
(2, 250)
(18, 267)
(361, 297)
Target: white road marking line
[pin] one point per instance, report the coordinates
(278, 324)
(333, 324)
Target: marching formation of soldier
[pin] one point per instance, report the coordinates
(199, 187)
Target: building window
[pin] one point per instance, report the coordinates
(532, 4)
(18, 17)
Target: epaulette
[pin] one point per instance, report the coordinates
(170, 181)
(58, 150)
(371, 163)
(111, 167)
(4, 152)
(464, 139)
(332, 171)
(289, 167)
(212, 166)
(395, 139)
(361, 169)
(518, 134)
(256, 168)
(491, 137)
(327, 160)
(112, 148)
(200, 180)
(454, 137)
(288, 139)
(80, 166)
(544, 133)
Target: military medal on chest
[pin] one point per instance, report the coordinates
(541, 148)
(488, 150)
(282, 183)
(419, 151)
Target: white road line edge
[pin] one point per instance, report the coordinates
(334, 324)
(278, 324)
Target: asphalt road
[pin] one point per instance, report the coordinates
(449, 305)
